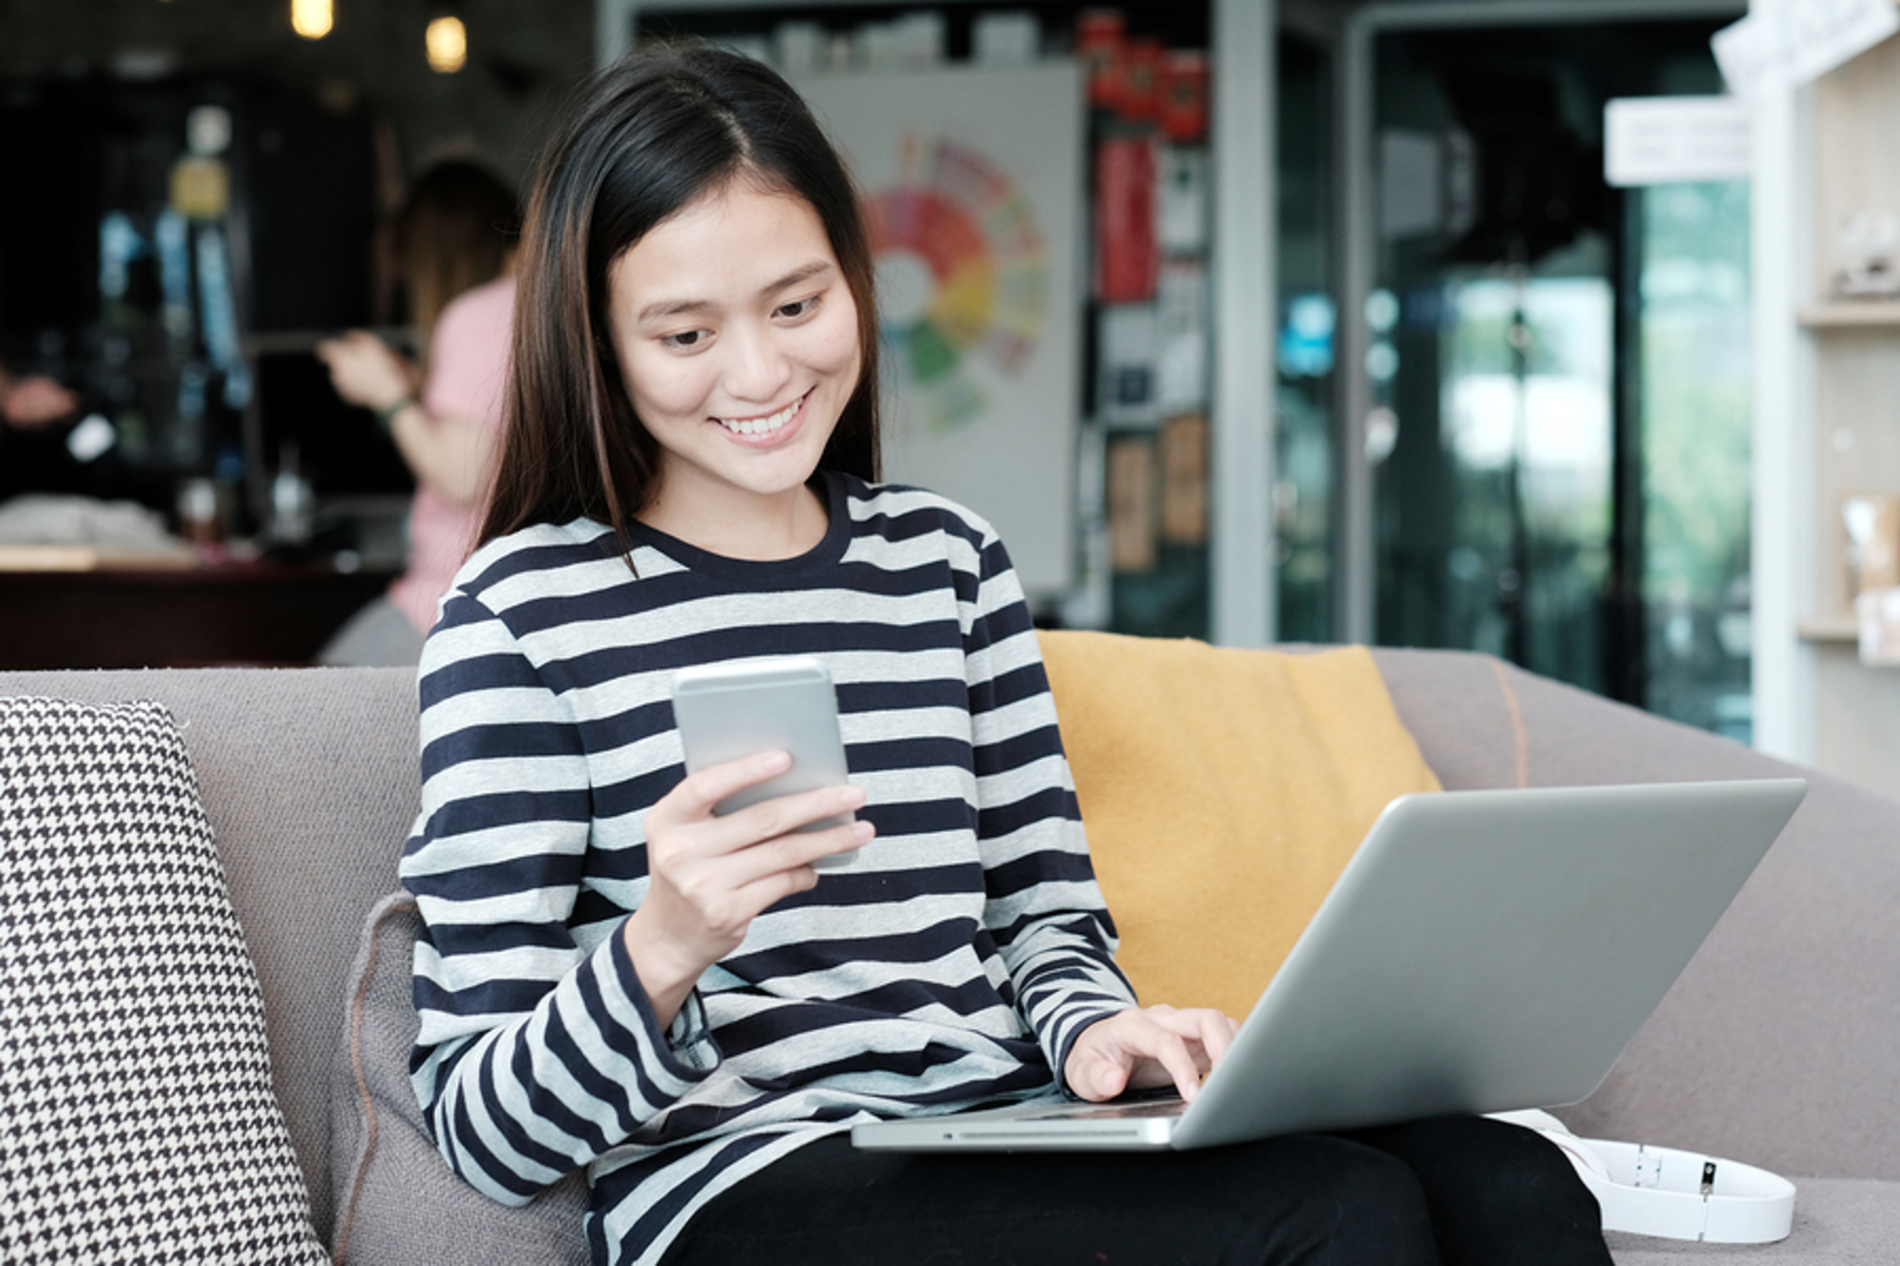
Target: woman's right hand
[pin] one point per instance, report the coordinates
(367, 371)
(710, 876)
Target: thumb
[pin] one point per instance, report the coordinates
(1106, 1077)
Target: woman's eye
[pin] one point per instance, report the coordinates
(683, 341)
(798, 308)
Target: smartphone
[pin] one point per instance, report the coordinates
(782, 703)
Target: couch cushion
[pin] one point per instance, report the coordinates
(135, 1087)
(1223, 792)
(397, 1201)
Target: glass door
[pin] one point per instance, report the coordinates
(1555, 371)
(1305, 448)
(1691, 298)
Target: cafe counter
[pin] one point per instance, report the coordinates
(67, 607)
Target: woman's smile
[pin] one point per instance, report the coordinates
(766, 428)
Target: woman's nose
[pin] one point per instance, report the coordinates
(758, 368)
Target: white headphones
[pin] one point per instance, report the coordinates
(1676, 1195)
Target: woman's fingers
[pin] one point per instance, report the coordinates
(1171, 1052)
(710, 875)
(692, 802)
(732, 866)
(784, 816)
(1208, 1032)
(796, 850)
(772, 870)
(1153, 1047)
(1127, 1049)
(365, 370)
(697, 793)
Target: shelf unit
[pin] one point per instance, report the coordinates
(1843, 315)
(1829, 424)
(1828, 629)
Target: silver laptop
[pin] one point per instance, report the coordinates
(1483, 951)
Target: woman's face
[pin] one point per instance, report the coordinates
(737, 337)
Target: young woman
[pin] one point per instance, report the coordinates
(611, 976)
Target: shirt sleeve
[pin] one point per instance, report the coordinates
(1043, 908)
(535, 1056)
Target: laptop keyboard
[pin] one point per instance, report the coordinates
(1172, 1107)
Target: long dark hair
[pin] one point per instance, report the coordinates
(457, 227)
(652, 135)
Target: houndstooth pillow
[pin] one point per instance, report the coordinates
(137, 1121)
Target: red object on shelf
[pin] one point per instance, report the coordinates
(1099, 36)
(1139, 100)
(1184, 84)
(1127, 256)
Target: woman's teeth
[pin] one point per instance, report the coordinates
(761, 426)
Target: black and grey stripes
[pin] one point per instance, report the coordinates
(953, 963)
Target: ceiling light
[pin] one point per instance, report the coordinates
(447, 43)
(312, 19)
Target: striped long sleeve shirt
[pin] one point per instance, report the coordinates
(953, 963)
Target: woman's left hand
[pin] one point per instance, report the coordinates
(1148, 1047)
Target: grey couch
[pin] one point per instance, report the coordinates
(1780, 1046)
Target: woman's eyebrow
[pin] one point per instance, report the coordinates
(799, 276)
(665, 309)
(668, 308)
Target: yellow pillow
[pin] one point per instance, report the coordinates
(1223, 791)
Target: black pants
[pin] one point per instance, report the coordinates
(1457, 1190)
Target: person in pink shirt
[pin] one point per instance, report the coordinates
(456, 241)
(34, 401)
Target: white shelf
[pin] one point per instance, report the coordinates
(1828, 377)
(1829, 628)
(1850, 314)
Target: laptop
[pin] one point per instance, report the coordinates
(1483, 951)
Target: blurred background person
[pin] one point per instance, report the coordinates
(34, 401)
(455, 245)
(34, 411)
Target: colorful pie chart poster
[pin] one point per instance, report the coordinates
(972, 185)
